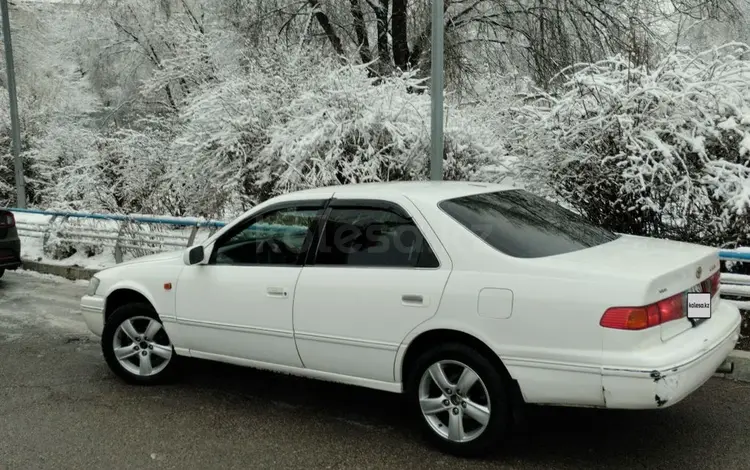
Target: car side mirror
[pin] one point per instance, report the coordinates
(194, 255)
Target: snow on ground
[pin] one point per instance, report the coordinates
(51, 277)
(33, 300)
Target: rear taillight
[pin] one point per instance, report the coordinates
(640, 318)
(7, 220)
(715, 283)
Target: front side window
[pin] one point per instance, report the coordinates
(523, 225)
(275, 238)
(375, 237)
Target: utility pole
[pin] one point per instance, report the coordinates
(15, 125)
(437, 83)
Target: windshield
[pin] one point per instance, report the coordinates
(523, 225)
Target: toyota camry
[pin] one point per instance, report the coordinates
(470, 299)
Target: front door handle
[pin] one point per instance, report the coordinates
(276, 292)
(412, 299)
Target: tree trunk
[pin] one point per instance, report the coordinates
(384, 50)
(325, 23)
(422, 44)
(399, 33)
(363, 41)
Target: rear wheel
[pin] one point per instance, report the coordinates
(136, 346)
(462, 400)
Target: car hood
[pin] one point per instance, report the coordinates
(171, 255)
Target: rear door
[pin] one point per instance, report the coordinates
(377, 273)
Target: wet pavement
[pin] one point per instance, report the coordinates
(60, 408)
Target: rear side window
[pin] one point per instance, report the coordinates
(523, 225)
(374, 237)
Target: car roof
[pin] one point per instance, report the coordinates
(426, 191)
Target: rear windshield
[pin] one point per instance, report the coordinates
(523, 225)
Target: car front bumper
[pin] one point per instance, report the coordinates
(92, 309)
(10, 254)
(678, 367)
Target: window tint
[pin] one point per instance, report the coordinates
(523, 225)
(361, 236)
(276, 238)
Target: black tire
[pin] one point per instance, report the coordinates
(2, 272)
(497, 396)
(140, 312)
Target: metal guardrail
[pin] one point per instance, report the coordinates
(142, 234)
(137, 234)
(736, 286)
(734, 255)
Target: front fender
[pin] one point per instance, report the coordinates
(156, 282)
(135, 287)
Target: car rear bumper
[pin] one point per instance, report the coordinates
(679, 366)
(10, 254)
(92, 309)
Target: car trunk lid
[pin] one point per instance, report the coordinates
(692, 276)
(669, 269)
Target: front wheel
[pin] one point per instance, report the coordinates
(136, 346)
(462, 400)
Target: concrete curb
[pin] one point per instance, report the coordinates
(741, 359)
(73, 273)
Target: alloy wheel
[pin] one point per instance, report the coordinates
(454, 401)
(141, 346)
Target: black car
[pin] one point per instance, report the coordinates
(10, 244)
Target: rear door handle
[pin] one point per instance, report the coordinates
(412, 299)
(276, 292)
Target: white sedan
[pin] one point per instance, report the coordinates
(469, 298)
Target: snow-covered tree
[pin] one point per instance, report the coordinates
(54, 96)
(206, 107)
(299, 120)
(662, 152)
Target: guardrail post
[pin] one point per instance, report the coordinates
(63, 220)
(193, 233)
(118, 248)
(58, 232)
(46, 233)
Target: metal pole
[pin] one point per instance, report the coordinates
(437, 82)
(15, 125)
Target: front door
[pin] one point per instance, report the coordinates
(239, 304)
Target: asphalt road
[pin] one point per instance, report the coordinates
(61, 408)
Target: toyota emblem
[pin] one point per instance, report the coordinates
(698, 272)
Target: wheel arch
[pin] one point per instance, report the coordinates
(427, 339)
(123, 296)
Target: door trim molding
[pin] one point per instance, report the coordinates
(362, 343)
(231, 327)
(346, 341)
